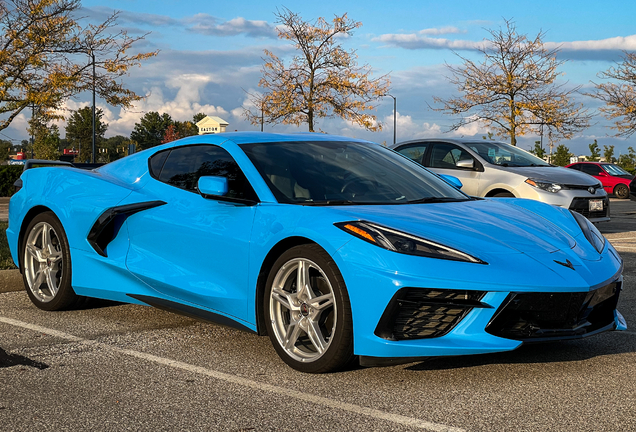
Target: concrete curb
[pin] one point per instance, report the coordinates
(10, 280)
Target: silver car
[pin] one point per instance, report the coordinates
(495, 169)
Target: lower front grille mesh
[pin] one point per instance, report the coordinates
(418, 313)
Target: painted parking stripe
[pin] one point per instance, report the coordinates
(318, 400)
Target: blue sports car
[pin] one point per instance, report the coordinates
(339, 249)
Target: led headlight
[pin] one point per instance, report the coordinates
(592, 234)
(546, 186)
(401, 242)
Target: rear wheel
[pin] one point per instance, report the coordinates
(308, 311)
(621, 191)
(47, 264)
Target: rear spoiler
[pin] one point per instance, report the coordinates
(38, 163)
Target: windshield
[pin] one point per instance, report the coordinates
(341, 173)
(505, 155)
(614, 170)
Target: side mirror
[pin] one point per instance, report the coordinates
(454, 181)
(466, 163)
(602, 174)
(212, 186)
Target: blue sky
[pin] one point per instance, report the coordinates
(210, 54)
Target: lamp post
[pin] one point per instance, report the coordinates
(394, 116)
(32, 127)
(93, 152)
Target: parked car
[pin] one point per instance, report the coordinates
(495, 169)
(615, 179)
(632, 190)
(333, 247)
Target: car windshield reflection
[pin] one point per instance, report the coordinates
(345, 173)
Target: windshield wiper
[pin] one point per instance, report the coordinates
(435, 200)
(337, 202)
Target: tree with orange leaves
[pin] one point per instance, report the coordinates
(322, 80)
(170, 134)
(47, 57)
(514, 89)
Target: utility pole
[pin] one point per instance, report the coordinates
(32, 127)
(394, 117)
(93, 156)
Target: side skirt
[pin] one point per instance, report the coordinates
(192, 312)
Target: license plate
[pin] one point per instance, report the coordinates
(596, 205)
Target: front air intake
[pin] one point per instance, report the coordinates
(419, 313)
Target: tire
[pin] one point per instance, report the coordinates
(504, 195)
(621, 191)
(311, 329)
(46, 261)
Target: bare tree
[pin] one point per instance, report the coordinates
(513, 90)
(619, 98)
(322, 80)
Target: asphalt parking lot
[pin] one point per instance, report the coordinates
(125, 367)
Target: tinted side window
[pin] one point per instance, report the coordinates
(185, 165)
(447, 155)
(415, 152)
(155, 164)
(576, 167)
(591, 169)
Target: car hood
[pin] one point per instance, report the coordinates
(559, 175)
(479, 227)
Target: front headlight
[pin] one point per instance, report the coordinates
(546, 186)
(401, 242)
(592, 234)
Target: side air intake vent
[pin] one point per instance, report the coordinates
(419, 313)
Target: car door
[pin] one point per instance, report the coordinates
(194, 249)
(443, 160)
(598, 173)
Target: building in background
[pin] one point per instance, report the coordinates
(212, 125)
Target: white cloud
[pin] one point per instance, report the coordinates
(208, 25)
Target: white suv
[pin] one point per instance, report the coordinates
(495, 169)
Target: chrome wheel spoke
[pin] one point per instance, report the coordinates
(39, 278)
(50, 281)
(315, 335)
(293, 332)
(285, 299)
(321, 303)
(47, 245)
(302, 281)
(34, 252)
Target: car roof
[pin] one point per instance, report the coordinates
(448, 140)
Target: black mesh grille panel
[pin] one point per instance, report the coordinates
(418, 313)
(546, 316)
(582, 205)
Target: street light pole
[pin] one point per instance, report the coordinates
(394, 117)
(93, 156)
(32, 127)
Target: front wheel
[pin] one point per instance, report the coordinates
(308, 311)
(621, 191)
(47, 264)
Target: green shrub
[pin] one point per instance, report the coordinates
(8, 175)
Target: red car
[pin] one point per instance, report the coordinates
(614, 178)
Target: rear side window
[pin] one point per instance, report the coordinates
(155, 164)
(447, 156)
(184, 165)
(415, 152)
(576, 167)
(590, 169)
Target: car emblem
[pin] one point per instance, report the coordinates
(591, 190)
(304, 309)
(567, 263)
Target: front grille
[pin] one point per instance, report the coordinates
(582, 205)
(547, 316)
(418, 313)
